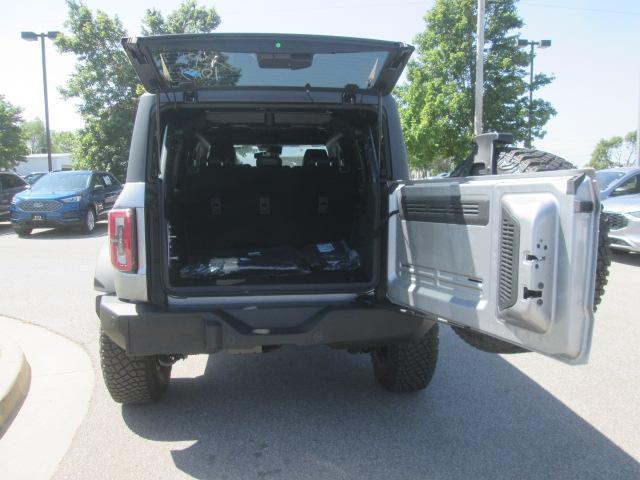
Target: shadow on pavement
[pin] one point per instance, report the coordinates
(318, 413)
(626, 258)
(6, 229)
(54, 234)
(67, 234)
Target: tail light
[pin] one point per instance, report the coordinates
(122, 239)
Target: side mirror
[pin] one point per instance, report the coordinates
(620, 191)
(97, 188)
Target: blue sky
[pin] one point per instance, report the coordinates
(595, 54)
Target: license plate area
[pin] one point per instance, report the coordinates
(38, 218)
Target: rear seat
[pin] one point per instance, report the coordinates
(208, 176)
(319, 174)
(269, 204)
(272, 186)
(316, 205)
(250, 203)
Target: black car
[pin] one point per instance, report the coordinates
(10, 184)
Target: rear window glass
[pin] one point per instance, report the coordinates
(225, 154)
(291, 155)
(210, 68)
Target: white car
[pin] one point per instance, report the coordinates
(623, 214)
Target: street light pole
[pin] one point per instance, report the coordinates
(532, 55)
(477, 120)
(46, 104)
(32, 36)
(638, 134)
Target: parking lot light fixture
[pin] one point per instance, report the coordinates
(29, 36)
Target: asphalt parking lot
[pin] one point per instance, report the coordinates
(318, 413)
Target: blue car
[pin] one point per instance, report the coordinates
(65, 199)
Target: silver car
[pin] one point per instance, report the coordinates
(620, 192)
(618, 182)
(623, 213)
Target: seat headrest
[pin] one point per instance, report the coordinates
(268, 161)
(224, 153)
(315, 157)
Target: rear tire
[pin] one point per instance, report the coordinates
(132, 380)
(523, 160)
(23, 232)
(407, 367)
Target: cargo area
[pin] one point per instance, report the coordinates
(278, 198)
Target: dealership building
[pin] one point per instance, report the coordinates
(37, 162)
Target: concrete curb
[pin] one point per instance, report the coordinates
(58, 399)
(15, 379)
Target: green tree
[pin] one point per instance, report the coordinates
(437, 104)
(104, 81)
(64, 141)
(614, 152)
(33, 132)
(12, 146)
(188, 18)
(34, 135)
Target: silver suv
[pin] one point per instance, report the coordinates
(267, 203)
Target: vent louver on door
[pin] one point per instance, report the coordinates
(509, 253)
(450, 209)
(446, 209)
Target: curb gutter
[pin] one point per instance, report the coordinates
(15, 379)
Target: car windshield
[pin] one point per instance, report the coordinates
(607, 178)
(56, 182)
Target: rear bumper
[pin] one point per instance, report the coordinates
(142, 329)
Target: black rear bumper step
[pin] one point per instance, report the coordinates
(143, 329)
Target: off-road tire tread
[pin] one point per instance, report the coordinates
(604, 261)
(408, 367)
(524, 160)
(130, 380)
